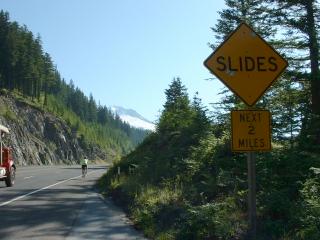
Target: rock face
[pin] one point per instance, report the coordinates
(40, 138)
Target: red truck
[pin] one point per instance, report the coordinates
(7, 166)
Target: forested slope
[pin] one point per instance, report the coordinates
(28, 73)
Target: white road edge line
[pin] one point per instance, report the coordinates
(28, 177)
(33, 192)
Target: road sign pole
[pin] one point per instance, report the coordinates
(248, 66)
(251, 157)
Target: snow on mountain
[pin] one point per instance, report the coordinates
(133, 118)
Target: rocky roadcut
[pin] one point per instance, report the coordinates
(38, 137)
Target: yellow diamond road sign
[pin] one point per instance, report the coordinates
(246, 64)
(250, 130)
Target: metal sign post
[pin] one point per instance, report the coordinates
(251, 133)
(248, 66)
(251, 159)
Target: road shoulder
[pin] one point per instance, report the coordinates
(99, 218)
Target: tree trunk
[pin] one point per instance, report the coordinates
(315, 74)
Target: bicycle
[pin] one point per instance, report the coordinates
(84, 170)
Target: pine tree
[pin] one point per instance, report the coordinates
(177, 112)
(266, 17)
(254, 13)
(300, 19)
(48, 75)
(92, 110)
(102, 115)
(201, 123)
(4, 48)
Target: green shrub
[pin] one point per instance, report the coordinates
(310, 214)
(216, 220)
(10, 115)
(156, 210)
(170, 235)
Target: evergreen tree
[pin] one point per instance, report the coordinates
(4, 49)
(177, 112)
(265, 17)
(102, 114)
(201, 124)
(252, 12)
(92, 110)
(301, 20)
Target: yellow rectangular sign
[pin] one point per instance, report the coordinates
(251, 130)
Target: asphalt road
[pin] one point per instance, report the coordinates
(55, 202)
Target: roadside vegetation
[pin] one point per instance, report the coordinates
(183, 181)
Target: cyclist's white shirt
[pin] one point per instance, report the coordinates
(84, 161)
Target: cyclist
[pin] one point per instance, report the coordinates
(84, 166)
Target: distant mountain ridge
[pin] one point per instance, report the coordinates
(133, 118)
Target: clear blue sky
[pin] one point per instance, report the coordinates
(126, 52)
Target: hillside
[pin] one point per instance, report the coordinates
(38, 137)
(52, 121)
(184, 182)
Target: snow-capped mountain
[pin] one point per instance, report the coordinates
(133, 118)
